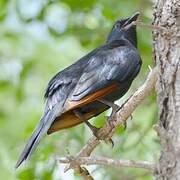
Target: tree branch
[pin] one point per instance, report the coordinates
(122, 115)
(109, 162)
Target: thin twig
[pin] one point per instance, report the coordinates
(118, 163)
(151, 26)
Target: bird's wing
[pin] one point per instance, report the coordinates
(64, 82)
(57, 91)
(111, 65)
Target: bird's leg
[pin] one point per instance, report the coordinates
(115, 109)
(81, 117)
(93, 128)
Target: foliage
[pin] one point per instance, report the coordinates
(39, 38)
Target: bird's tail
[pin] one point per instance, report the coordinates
(35, 138)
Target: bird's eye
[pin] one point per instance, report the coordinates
(117, 26)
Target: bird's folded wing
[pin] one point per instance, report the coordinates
(100, 77)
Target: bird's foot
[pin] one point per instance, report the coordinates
(131, 117)
(101, 135)
(115, 109)
(97, 132)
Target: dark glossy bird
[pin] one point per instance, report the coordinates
(89, 86)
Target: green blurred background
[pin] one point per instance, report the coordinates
(38, 38)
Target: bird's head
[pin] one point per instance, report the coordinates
(119, 30)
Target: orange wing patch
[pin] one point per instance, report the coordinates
(90, 98)
(69, 119)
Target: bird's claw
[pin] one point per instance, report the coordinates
(131, 117)
(110, 141)
(125, 125)
(101, 136)
(115, 109)
(95, 131)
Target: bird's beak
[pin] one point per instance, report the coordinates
(133, 18)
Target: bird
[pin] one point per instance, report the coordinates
(89, 86)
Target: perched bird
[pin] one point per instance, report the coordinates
(89, 86)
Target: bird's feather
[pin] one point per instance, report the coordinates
(38, 133)
(108, 66)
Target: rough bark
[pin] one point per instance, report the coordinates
(167, 57)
